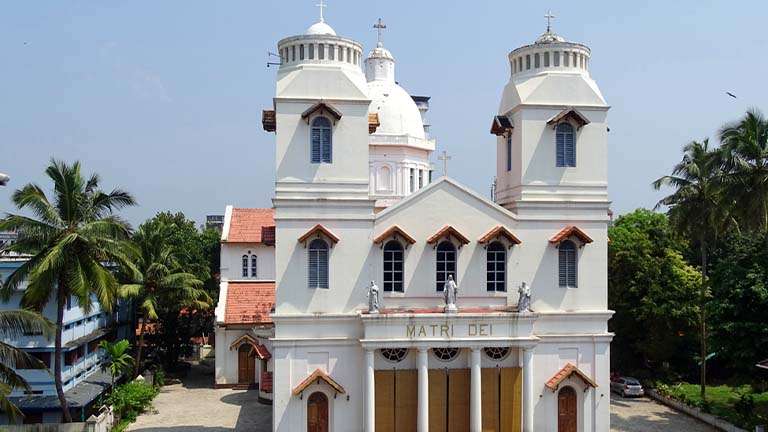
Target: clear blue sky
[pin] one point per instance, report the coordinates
(165, 98)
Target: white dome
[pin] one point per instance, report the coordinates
(398, 113)
(549, 37)
(320, 28)
(380, 52)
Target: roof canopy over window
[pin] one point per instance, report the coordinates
(501, 125)
(448, 232)
(318, 376)
(373, 122)
(566, 372)
(321, 108)
(260, 350)
(268, 121)
(569, 114)
(318, 231)
(499, 232)
(396, 233)
(568, 232)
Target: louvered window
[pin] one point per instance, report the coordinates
(318, 264)
(567, 262)
(393, 266)
(253, 266)
(496, 267)
(509, 151)
(446, 263)
(321, 140)
(245, 265)
(566, 145)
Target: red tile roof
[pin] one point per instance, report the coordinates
(445, 232)
(252, 225)
(319, 229)
(571, 231)
(249, 302)
(499, 231)
(318, 375)
(568, 370)
(394, 231)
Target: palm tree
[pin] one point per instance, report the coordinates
(160, 282)
(746, 145)
(70, 238)
(14, 324)
(117, 361)
(698, 209)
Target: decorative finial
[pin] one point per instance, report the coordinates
(549, 18)
(322, 6)
(379, 26)
(445, 158)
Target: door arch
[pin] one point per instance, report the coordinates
(246, 365)
(317, 412)
(567, 411)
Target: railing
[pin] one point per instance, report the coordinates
(101, 423)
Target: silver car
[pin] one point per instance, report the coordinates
(626, 386)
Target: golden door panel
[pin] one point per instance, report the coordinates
(385, 400)
(458, 400)
(438, 398)
(406, 400)
(511, 399)
(490, 399)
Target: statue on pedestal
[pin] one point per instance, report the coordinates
(450, 293)
(373, 298)
(524, 301)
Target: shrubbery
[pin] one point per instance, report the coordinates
(742, 406)
(129, 400)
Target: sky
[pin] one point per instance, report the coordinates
(164, 99)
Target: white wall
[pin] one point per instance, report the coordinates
(231, 261)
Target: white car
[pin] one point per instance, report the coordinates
(626, 386)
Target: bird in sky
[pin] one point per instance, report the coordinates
(731, 95)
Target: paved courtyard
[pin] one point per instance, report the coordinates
(194, 405)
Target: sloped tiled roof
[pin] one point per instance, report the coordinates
(571, 231)
(251, 225)
(394, 231)
(568, 370)
(249, 302)
(318, 375)
(496, 232)
(319, 229)
(448, 231)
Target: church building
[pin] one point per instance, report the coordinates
(375, 296)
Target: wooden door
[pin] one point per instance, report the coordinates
(438, 400)
(385, 399)
(458, 400)
(511, 399)
(406, 400)
(246, 365)
(317, 413)
(566, 410)
(489, 396)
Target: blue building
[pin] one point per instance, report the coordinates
(84, 381)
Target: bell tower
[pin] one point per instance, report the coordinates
(551, 132)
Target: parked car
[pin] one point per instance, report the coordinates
(626, 386)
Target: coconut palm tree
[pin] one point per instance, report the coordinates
(160, 282)
(746, 145)
(699, 209)
(15, 324)
(72, 238)
(117, 360)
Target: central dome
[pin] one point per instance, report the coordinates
(320, 28)
(549, 37)
(398, 113)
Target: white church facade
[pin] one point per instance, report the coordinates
(356, 201)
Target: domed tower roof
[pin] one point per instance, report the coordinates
(320, 28)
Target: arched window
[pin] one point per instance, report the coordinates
(393, 266)
(245, 265)
(384, 181)
(318, 264)
(321, 140)
(496, 270)
(446, 263)
(253, 266)
(567, 263)
(509, 151)
(566, 145)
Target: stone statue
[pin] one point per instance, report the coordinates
(373, 298)
(450, 293)
(524, 301)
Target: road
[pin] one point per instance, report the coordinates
(647, 415)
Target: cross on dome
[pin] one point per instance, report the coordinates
(379, 26)
(322, 6)
(549, 18)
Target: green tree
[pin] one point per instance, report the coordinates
(15, 324)
(651, 288)
(698, 209)
(739, 276)
(746, 148)
(71, 238)
(118, 361)
(160, 281)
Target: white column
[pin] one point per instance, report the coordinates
(475, 404)
(527, 389)
(370, 393)
(423, 414)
